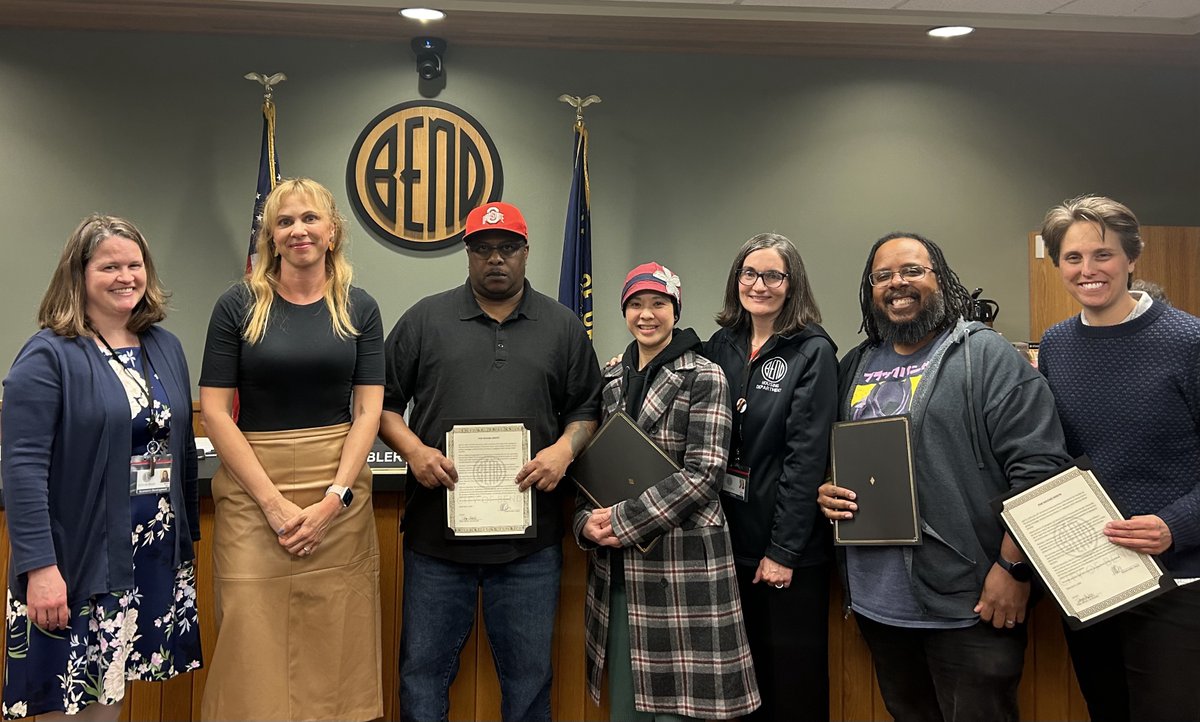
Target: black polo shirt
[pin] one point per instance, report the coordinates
(454, 362)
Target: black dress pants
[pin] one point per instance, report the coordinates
(1144, 663)
(788, 630)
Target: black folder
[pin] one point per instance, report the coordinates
(620, 463)
(873, 458)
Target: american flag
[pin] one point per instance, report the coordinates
(268, 177)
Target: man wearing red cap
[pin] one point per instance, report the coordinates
(493, 348)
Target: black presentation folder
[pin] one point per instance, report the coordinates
(873, 458)
(620, 463)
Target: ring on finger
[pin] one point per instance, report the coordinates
(1009, 622)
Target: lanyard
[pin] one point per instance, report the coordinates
(142, 383)
(740, 404)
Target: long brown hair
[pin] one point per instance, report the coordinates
(64, 307)
(800, 306)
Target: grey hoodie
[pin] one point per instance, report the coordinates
(983, 422)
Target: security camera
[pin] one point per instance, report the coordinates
(429, 57)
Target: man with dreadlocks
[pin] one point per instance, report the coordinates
(944, 620)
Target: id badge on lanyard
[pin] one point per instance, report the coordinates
(737, 474)
(150, 473)
(737, 479)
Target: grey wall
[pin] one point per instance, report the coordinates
(690, 155)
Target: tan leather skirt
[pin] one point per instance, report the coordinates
(297, 637)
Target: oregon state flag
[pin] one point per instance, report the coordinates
(575, 278)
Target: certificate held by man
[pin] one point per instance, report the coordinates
(486, 501)
(1059, 525)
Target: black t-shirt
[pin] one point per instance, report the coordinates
(301, 374)
(455, 363)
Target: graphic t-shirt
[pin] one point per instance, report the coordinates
(880, 588)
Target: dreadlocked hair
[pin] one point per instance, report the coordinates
(954, 294)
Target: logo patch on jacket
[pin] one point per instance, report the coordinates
(773, 371)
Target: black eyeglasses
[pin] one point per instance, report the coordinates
(908, 273)
(484, 251)
(770, 279)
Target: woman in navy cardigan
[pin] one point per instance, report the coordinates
(99, 472)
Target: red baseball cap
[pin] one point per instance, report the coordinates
(497, 216)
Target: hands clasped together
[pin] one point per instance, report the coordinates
(598, 528)
(301, 531)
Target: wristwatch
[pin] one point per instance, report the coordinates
(341, 492)
(1020, 571)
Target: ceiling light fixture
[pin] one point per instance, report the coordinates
(422, 14)
(950, 31)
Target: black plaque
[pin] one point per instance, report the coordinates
(873, 458)
(620, 463)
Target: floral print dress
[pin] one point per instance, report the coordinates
(149, 632)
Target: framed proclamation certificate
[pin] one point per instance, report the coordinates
(486, 501)
(1058, 523)
(873, 458)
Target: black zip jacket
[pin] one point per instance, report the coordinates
(783, 437)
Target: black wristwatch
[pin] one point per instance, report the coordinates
(341, 492)
(1020, 571)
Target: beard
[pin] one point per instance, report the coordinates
(931, 317)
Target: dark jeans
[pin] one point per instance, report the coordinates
(520, 599)
(947, 675)
(788, 631)
(1144, 663)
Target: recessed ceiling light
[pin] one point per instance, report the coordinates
(422, 14)
(950, 31)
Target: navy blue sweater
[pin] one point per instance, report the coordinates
(1129, 397)
(66, 446)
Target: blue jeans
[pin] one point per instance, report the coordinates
(947, 675)
(520, 599)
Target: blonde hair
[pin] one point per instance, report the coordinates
(64, 307)
(263, 281)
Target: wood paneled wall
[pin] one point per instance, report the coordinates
(1048, 689)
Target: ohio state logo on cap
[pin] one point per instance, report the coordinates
(496, 216)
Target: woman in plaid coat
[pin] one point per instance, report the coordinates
(668, 622)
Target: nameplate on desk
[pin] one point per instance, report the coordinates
(382, 460)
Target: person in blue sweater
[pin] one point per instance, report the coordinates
(1125, 374)
(99, 468)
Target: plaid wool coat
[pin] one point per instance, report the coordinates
(687, 639)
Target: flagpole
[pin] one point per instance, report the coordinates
(268, 162)
(268, 177)
(575, 277)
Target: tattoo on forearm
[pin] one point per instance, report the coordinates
(578, 433)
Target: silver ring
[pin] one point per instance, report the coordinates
(1009, 622)
(777, 586)
(308, 550)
